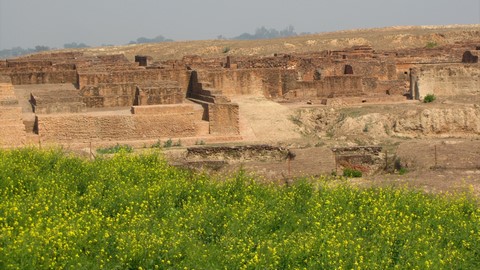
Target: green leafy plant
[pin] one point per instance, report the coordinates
(349, 172)
(115, 149)
(402, 171)
(226, 49)
(200, 142)
(157, 144)
(431, 45)
(168, 143)
(429, 98)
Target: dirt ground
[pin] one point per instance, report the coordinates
(450, 164)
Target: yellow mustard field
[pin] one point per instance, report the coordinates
(136, 212)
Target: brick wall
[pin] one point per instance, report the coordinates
(233, 82)
(108, 95)
(91, 127)
(163, 109)
(41, 77)
(448, 80)
(224, 119)
(331, 86)
(133, 76)
(12, 129)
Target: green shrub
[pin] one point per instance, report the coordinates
(168, 143)
(226, 49)
(349, 172)
(115, 149)
(429, 98)
(157, 144)
(402, 171)
(200, 142)
(431, 45)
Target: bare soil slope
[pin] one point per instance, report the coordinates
(265, 121)
(390, 38)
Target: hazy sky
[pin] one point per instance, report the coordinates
(27, 23)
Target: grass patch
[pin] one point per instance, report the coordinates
(402, 171)
(349, 172)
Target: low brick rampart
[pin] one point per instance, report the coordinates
(92, 127)
(12, 129)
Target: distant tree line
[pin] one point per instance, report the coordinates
(142, 40)
(264, 33)
(260, 33)
(19, 51)
(75, 45)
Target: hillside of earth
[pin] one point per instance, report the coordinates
(390, 38)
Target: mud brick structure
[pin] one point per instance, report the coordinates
(69, 97)
(56, 100)
(12, 129)
(105, 95)
(451, 80)
(163, 92)
(222, 115)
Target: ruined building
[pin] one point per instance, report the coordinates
(72, 98)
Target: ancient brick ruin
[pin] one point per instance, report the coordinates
(70, 97)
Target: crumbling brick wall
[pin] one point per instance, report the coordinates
(44, 77)
(12, 129)
(327, 87)
(108, 95)
(87, 127)
(163, 92)
(234, 82)
(447, 80)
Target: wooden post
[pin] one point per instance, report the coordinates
(436, 164)
(386, 159)
(336, 163)
(92, 155)
(289, 157)
(289, 169)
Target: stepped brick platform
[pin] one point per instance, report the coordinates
(162, 92)
(57, 101)
(108, 95)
